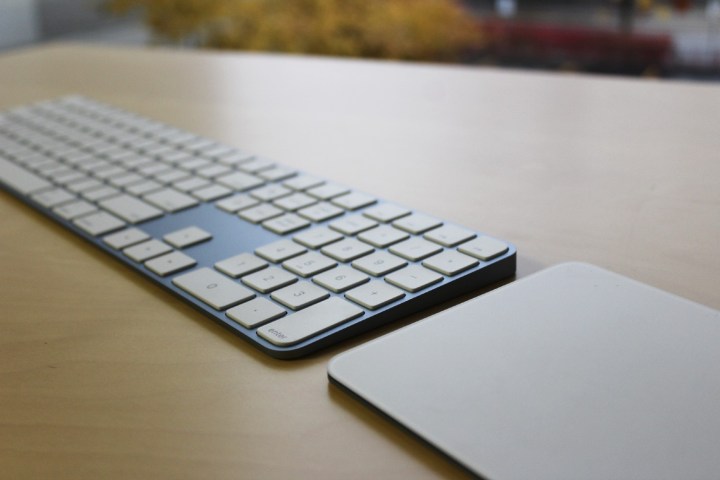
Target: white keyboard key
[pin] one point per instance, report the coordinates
(296, 201)
(187, 236)
(219, 151)
(48, 168)
(213, 150)
(99, 223)
(106, 173)
(321, 212)
(285, 223)
(375, 294)
(449, 235)
(414, 278)
(195, 163)
(299, 295)
(303, 182)
(170, 200)
(119, 154)
(89, 167)
(269, 279)
(353, 201)
(30, 159)
(213, 170)
(152, 169)
(353, 224)
(101, 193)
(327, 191)
(192, 183)
(379, 263)
(57, 175)
(417, 223)
(341, 279)
(20, 179)
(75, 178)
(484, 248)
(240, 265)
(383, 236)
(74, 209)
(318, 237)
(171, 176)
(175, 156)
(123, 181)
(415, 249)
(280, 251)
(387, 212)
(256, 312)
(213, 288)
(277, 173)
(235, 158)
(199, 144)
(54, 197)
(158, 150)
(136, 161)
(147, 250)
(69, 177)
(309, 322)
(309, 264)
(211, 192)
(130, 208)
(270, 192)
(260, 213)
(450, 262)
(126, 238)
(236, 202)
(142, 188)
(347, 250)
(84, 185)
(23, 154)
(171, 263)
(240, 181)
(256, 165)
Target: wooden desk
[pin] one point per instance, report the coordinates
(103, 375)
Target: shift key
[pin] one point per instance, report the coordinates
(309, 322)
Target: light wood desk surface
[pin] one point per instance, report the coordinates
(104, 375)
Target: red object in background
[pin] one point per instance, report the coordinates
(585, 47)
(682, 5)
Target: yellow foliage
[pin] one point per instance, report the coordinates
(403, 29)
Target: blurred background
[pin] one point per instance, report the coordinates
(651, 38)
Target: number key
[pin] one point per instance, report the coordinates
(341, 279)
(270, 279)
(300, 295)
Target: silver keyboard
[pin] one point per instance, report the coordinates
(287, 260)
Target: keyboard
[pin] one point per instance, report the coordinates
(284, 259)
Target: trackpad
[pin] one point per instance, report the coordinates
(573, 372)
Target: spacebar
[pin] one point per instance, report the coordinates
(20, 179)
